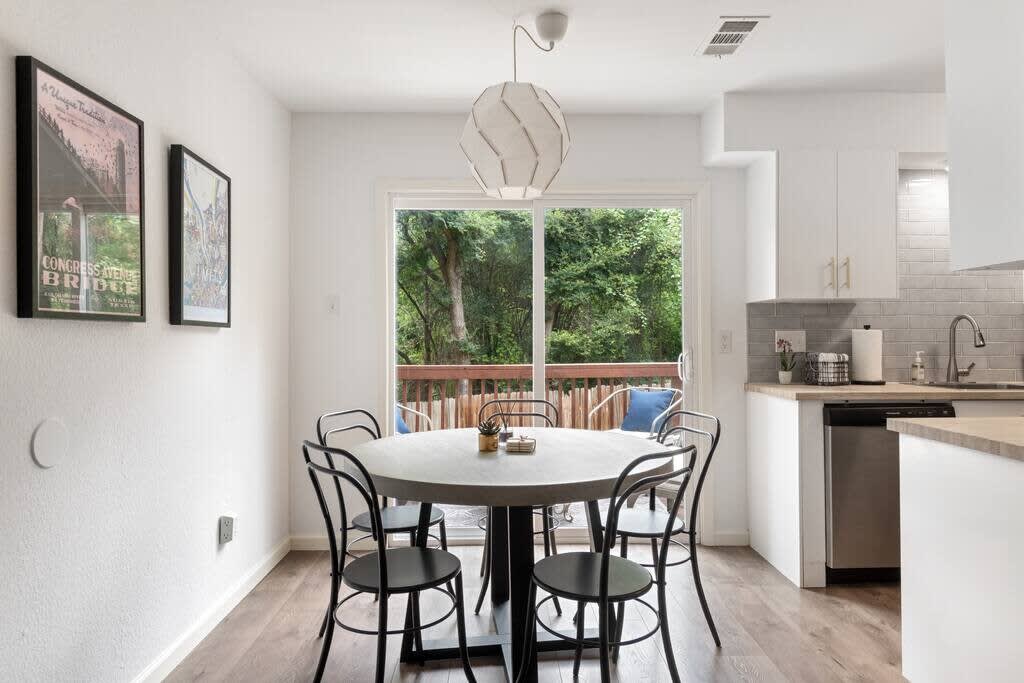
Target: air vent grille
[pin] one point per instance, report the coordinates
(738, 26)
(729, 34)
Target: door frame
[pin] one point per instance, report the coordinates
(692, 197)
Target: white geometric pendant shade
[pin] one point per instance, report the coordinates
(515, 140)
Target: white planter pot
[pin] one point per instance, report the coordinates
(785, 376)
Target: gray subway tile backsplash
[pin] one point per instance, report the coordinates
(930, 295)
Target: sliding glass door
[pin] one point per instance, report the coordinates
(584, 298)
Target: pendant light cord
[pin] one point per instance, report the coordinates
(515, 33)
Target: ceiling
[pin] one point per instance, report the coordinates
(617, 57)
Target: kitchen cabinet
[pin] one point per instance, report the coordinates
(866, 253)
(807, 224)
(835, 227)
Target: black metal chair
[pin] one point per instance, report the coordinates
(386, 572)
(395, 519)
(606, 580)
(507, 409)
(650, 523)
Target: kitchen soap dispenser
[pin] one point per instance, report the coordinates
(917, 369)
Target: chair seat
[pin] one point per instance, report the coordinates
(577, 576)
(409, 569)
(398, 518)
(645, 523)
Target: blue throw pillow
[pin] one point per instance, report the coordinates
(400, 426)
(644, 407)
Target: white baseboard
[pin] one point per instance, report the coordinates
(164, 664)
(728, 538)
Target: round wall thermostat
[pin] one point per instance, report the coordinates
(49, 443)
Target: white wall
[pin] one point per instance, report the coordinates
(111, 556)
(338, 361)
(906, 122)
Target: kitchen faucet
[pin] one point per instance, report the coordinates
(953, 373)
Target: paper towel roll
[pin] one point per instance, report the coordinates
(866, 365)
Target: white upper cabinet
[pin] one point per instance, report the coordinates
(985, 109)
(835, 227)
(866, 225)
(807, 224)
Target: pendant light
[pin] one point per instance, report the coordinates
(516, 138)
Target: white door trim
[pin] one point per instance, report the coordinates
(692, 196)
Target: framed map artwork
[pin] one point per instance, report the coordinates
(200, 241)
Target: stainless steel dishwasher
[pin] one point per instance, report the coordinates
(862, 488)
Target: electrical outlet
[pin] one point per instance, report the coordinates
(226, 529)
(797, 338)
(725, 341)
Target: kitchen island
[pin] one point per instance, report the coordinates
(962, 527)
(786, 461)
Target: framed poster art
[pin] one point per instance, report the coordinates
(200, 241)
(81, 238)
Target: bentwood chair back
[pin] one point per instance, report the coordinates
(508, 408)
(571, 576)
(382, 573)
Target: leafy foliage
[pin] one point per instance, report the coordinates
(612, 285)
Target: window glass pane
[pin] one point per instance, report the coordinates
(613, 283)
(463, 318)
(613, 319)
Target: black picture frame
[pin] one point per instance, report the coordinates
(103, 281)
(177, 235)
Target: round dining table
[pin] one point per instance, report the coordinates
(446, 467)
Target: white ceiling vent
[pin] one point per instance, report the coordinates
(729, 34)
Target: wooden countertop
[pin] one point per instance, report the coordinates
(892, 391)
(996, 435)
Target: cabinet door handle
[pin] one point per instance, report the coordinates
(848, 266)
(832, 272)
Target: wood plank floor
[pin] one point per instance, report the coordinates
(771, 630)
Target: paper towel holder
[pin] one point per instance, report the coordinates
(866, 381)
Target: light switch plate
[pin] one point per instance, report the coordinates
(798, 338)
(226, 529)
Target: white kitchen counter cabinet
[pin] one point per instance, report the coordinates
(786, 465)
(962, 523)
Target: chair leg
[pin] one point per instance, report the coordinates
(444, 546)
(548, 540)
(554, 541)
(485, 560)
(485, 569)
(700, 590)
(581, 608)
(654, 551)
(621, 609)
(325, 649)
(382, 637)
(666, 638)
(603, 625)
(417, 634)
(460, 622)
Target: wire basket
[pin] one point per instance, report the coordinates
(827, 372)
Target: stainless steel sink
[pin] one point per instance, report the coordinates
(972, 385)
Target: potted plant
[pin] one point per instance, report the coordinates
(488, 437)
(787, 360)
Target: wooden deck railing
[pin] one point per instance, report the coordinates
(452, 394)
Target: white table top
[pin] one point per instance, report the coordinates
(445, 466)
